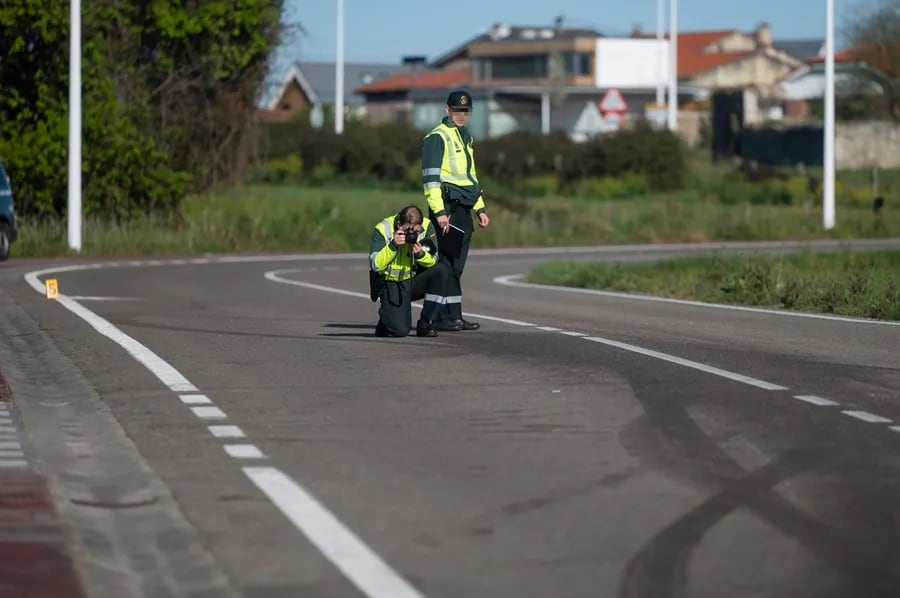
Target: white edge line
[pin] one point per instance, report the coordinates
(168, 375)
(512, 280)
(867, 417)
(337, 542)
(275, 276)
(362, 566)
(96, 298)
(688, 363)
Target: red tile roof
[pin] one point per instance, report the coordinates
(422, 80)
(839, 56)
(693, 64)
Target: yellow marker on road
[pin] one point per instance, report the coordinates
(52, 288)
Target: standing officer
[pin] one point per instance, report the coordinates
(452, 190)
(404, 267)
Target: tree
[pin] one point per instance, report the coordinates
(169, 93)
(874, 36)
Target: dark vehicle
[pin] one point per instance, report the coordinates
(8, 231)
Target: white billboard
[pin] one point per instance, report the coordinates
(629, 63)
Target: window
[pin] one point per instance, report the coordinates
(519, 67)
(578, 63)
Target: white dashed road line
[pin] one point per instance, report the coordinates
(276, 276)
(867, 417)
(347, 552)
(372, 576)
(12, 455)
(815, 400)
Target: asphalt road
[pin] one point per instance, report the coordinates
(232, 427)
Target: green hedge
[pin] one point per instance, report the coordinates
(613, 166)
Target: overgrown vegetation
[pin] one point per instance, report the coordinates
(169, 91)
(848, 283)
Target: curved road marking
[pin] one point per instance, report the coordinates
(365, 569)
(512, 280)
(275, 276)
(347, 552)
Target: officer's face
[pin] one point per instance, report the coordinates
(459, 117)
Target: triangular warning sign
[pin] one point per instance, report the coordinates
(589, 121)
(612, 101)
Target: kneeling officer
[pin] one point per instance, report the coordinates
(404, 267)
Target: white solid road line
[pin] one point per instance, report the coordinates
(359, 563)
(688, 363)
(362, 566)
(336, 542)
(513, 280)
(275, 276)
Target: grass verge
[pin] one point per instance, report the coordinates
(863, 284)
(290, 218)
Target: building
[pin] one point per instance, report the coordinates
(806, 83)
(309, 84)
(554, 78)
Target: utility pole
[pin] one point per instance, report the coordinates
(662, 57)
(828, 166)
(339, 72)
(673, 65)
(73, 213)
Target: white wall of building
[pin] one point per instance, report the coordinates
(631, 63)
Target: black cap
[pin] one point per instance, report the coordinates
(459, 100)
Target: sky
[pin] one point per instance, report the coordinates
(387, 30)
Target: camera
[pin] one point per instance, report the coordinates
(412, 237)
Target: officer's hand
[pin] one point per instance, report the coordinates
(399, 237)
(417, 250)
(483, 220)
(443, 222)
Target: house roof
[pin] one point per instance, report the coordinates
(416, 80)
(801, 49)
(318, 82)
(500, 33)
(839, 56)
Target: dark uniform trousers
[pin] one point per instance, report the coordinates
(430, 284)
(461, 217)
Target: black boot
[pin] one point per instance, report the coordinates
(381, 330)
(423, 328)
(447, 325)
(465, 324)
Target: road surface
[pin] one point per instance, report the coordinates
(229, 426)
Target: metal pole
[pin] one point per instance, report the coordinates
(828, 170)
(339, 72)
(73, 213)
(661, 62)
(673, 65)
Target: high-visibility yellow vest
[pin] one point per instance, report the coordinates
(458, 163)
(396, 265)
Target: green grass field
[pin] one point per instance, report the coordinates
(865, 284)
(289, 218)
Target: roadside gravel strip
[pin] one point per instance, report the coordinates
(118, 512)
